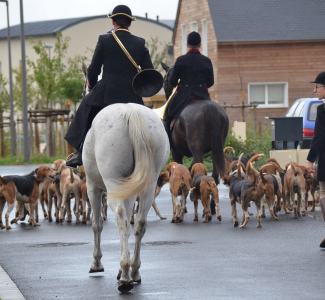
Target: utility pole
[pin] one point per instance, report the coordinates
(13, 136)
(24, 87)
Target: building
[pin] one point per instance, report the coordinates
(82, 32)
(265, 52)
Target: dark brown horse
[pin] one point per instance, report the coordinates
(201, 127)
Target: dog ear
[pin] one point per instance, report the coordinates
(3, 180)
(35, 172)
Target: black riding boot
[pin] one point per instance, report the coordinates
(75, 159)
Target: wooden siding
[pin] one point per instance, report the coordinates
(236, 65)
(294, 63)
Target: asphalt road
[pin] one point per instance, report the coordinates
(179, 261)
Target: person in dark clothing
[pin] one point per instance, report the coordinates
(317, 148)
(116, 83)
(193, 75)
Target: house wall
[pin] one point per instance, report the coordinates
(83, 37)
(294, 63)
(236, 65)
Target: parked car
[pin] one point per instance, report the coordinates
(307, 109)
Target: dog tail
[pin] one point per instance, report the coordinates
(251, 170)
(262, 172)
(274, 161)
(212, 184)
(71, 176)
(271, 168)
(295, 171)
(229, 149)
(213, 188)
(254, 158)
(239, 165)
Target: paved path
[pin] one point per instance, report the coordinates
(179, 261)
(8, 289)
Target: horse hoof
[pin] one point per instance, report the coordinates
(118, 277)
(137, 281)
(93, 270)
(124, 287)
(236, 224)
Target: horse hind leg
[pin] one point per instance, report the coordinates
(145, 202)
(97, 226)
(123, 210)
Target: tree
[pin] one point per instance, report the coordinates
(4, 95)
(72, 81)
(158, 52)
(17, 89)
(47, 71)
(56, 78)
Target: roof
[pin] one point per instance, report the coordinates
(267, 20)
(52, 27)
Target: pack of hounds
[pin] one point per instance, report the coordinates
(268, 186)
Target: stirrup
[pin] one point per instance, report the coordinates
(70, 155)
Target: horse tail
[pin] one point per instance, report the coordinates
(218, 154)
(143, 156)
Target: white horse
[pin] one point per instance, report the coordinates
(123, 154)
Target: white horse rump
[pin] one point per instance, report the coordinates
(123, 154)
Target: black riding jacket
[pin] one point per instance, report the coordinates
(118, 72)
(195, 73)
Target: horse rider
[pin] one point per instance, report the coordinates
(193, 75)
(116, 83)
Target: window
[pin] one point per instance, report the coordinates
(204, 36)
(194, 27)
(299, 110)
(273, 94)
(184, 38)
(313, 111)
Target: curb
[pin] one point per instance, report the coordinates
(8, 289)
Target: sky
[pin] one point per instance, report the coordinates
(40, 10)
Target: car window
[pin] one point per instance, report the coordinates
(299, 111)
(313, 111)
(292, 109)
